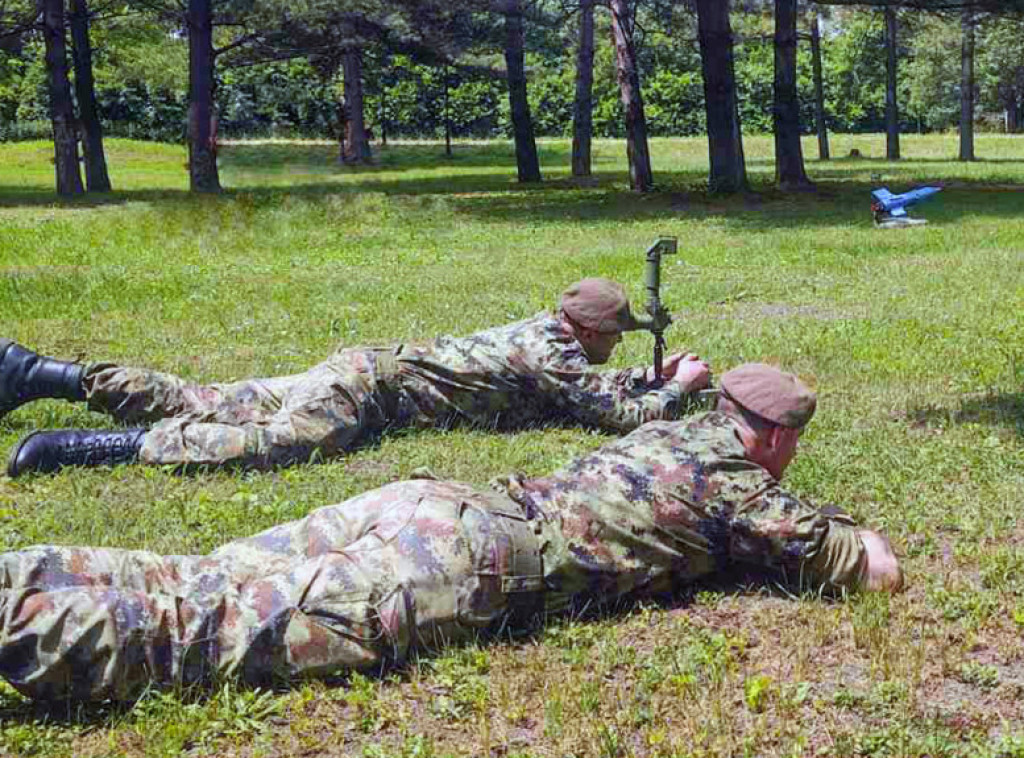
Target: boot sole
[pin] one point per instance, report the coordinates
(5, 345)
(12, 469)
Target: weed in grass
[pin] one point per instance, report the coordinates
(610, 741)
(364, 695)
(795, 695)
(1018, 615)
(846, 698)
(590, 697)
(971, 605)
(708, 598)
(575, 639)
(1010, 746)
(1002, 569)
(462, 689)
(168, 723)
(414, 746)
(36, 738)
(888, 693)
(979, 674)
(553, 710)
(756, 691)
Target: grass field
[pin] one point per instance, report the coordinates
(913, 338)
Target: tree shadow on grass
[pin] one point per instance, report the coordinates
(20, 197)
(62, 713)
(1002, 409)
(498, 198)
(309, 172)
(834, 204)
(393, 158)
(880, 161)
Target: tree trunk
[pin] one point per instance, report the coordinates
(447, 117)
(62, 113)
(202, 140)
(383, 111)
(640, 177)
(357, 143)
(819, 90)
(725, 142)
(357, 147)
(583, 110)
(96, 177)
(967, 87)
(1012, 115)
(342, 128)
(892, 113)
(789, 157)
(522, 126)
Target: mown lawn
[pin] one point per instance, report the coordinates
(913, 339)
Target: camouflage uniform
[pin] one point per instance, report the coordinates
(409, 567)
(529, 372)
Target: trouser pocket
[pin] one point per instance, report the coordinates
(506, 591)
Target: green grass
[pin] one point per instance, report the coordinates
(913, 339)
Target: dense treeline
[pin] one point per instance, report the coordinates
(423, 66)
(141, 79)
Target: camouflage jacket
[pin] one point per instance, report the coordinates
(529, 372)
(668, 503)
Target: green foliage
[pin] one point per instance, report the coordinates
(36, 738)
(363, 694)
(979, 674)
(756, 690)
(854, 61)
(999, 66)
(172, 722)
(141, 78)
(932, 74)
(462, 675)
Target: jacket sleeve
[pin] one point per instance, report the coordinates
(616, 400)
(776, 530)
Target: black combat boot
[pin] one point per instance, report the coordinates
(25, 376)
(50, 451)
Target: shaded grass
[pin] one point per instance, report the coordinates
(912, 337)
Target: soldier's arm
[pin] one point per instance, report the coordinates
(776, 530)
(618, 401)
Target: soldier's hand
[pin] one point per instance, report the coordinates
(668, 368)
(881, 571)
(691, 374)
(670, 365)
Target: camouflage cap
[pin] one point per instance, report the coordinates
(598, 304)
(770, 393)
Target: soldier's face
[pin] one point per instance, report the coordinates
(598, 345)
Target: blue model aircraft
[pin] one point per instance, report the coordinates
(888, 207)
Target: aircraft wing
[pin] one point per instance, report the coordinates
(898, 210)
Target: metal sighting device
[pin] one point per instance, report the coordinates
(659, 318)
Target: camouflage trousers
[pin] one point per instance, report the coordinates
(256, 422)
(408, 567)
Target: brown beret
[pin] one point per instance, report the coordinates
(598, 304)
(771, 394)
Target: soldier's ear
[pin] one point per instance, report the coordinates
(781, 440)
